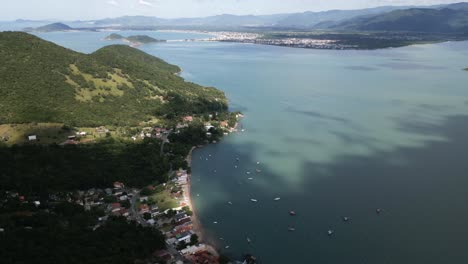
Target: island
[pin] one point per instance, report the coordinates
(135, 40)
(114, 36)
(95, 148)
(466, 69)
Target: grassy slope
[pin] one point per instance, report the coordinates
(116, 85)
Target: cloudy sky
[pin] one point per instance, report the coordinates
(92, 9)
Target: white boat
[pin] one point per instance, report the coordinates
(248, 172)
(226, 247)
(330, 232)
(230, 203)
(248, 240)
(254, 200)
(215, 222)
(258, 162)
(250, 179)
(277, 198)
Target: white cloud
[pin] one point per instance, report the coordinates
(113, 2)
(146, 3)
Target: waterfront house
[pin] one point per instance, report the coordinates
(143, 198)
(32, 138)
(188, 118)
(184, 237)
(193, 249)
(144, 208)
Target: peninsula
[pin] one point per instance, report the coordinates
(113, 129)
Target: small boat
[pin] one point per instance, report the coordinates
(198, 195)
(378, 210)
(214, 171)
(258, 171)
(345, 218)
(248, 240)
(292, 213)
(243, 130)
(221, 238)
(230, 203)
(254, 200)
(206, 159)
(250, 179)
(237, 159)
(258, 162)
(248, 172)
(277, 199)
(215, 222)
(330, 232)
(291, 229)
(226, 247)
(235, 166)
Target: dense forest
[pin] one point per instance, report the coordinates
(116, 85)
(63, 233)
(48, 168)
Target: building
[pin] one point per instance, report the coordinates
(188, 118)
(118, 185)
(193, 249)
(32, 138)
(143, 198)
(184, 237)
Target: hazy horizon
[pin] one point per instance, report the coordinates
(99, 9)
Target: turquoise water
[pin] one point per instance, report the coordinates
(336, 133)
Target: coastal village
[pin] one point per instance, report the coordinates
(166, 207)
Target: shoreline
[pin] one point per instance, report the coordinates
(197, 226)
(187, 196)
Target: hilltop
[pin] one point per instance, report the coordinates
(52, 27)
(446, 20)
(116, 85)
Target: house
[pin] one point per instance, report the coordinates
(183, 221)
(118, 185)
(37, 203)
(81, 134)
(123, 197)
(144, 208)
(115, 207)
(184, 237)
(151, 222)
(180, 216)
(72, 137)
(208, 127)
(224, 124)
(143, 198)
(32, 138)
(193, 249)
(188, 118)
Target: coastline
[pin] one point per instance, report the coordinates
(197, 226)
(187, 196)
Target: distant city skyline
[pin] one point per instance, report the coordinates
(97, 9)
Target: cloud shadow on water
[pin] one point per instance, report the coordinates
(423, 199)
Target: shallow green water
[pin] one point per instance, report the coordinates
(337, 133)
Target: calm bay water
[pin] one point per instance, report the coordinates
(336, 133)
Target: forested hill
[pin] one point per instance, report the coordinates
(116, 85)
(445, 20)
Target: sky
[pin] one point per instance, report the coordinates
(95, 9)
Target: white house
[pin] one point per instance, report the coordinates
(32, 138)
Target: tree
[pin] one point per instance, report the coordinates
(194, 239)
(147, 216)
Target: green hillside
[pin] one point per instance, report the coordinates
(116, 85)
(415, 19)
(53, 27)
(143, 39)
(114, 36)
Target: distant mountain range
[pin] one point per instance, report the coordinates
(438, 18)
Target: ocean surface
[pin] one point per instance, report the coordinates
(334, 133)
